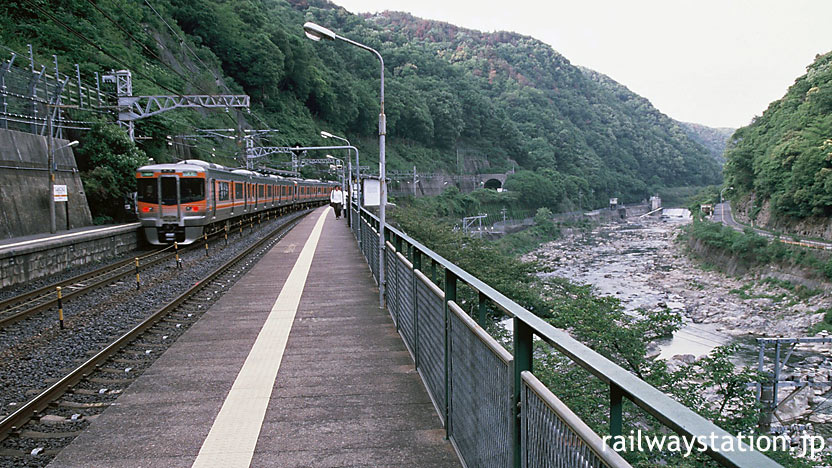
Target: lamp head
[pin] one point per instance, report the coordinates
(317, 32)
(72, 143)
(326, 134)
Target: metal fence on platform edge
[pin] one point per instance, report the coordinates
(495, 411)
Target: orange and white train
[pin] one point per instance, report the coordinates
(179, 202)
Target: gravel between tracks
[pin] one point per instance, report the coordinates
(35, 350)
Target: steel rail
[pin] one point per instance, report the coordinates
(34, 406)
(102, 277)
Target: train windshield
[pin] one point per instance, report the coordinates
(191, 190)
(147, 191)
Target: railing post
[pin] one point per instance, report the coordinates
(616, 410)
(450, 295)
(523, 342)
(482, 310)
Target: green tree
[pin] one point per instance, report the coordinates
(108, 161)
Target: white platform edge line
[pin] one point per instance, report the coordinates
(63, 236)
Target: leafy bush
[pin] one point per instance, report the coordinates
(108, 161)
(825, 324)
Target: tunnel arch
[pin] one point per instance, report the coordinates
(493, 184)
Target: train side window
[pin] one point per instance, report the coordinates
(269, 192)
(260, 189)
(238, 191)
(223, 191)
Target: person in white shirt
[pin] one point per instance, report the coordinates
(336, 200)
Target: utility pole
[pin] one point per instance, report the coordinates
(50, 152)
(242, 159)
(50, 160)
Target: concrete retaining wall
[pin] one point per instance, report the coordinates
(24, 186)
(43, 258)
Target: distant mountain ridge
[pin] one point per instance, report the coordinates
(574, 120)
(715, 139)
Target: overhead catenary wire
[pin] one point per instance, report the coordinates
(89, 41)
(182, 41)
(118, 60)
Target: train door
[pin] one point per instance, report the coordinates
(214, 198)
(169, 196)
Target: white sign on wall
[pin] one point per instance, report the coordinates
(372, 192)
(59, 193)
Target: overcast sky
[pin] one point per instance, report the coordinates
(714, 62)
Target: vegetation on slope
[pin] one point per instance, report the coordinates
(714, 139)
(711, 385)
(785, 155)
(501, 99)
(564, 119)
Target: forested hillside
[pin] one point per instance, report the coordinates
(785, 156)
(715, 139)
(501, 99)
(567, 119)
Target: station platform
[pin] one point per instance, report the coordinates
(295, 366)
(24, 244)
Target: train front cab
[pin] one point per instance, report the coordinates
(171, 204)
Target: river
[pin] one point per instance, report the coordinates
(642, 263)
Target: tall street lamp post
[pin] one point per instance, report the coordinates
(316, 33)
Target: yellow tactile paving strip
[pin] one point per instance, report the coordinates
(233, 436)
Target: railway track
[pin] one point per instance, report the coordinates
(33, 302)
(27, 304)
(166, 321)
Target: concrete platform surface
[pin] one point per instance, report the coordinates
(345, 394)
(34, 242)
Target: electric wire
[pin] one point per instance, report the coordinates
(99, 48)
(119, 61)
(208, 68)
(183, 42)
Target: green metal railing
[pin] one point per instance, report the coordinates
(495, 411)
